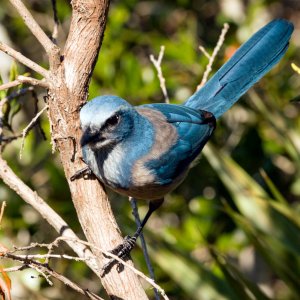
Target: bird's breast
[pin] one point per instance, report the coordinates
(127, 167)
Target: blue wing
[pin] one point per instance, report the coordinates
(194, 128)
(252, 60)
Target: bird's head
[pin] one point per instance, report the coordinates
(106, 121)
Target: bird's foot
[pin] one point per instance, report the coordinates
(85, 172)
(122, 251)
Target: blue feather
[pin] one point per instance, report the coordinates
(251, 61)
(194, 129)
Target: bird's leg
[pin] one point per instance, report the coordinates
(123, 250)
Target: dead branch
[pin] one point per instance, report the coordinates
(124, 263)
(32, 198)
(2, 210)
(5, 253)
(44, 270)
(24, 60)
(24, 79)
(51, 49)
(212, 57)
(157, 65)
(29, 126)
(48, 256)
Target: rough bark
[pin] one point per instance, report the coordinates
(68, 92)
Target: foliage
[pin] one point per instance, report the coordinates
(232, 229)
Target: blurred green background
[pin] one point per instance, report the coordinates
(232, 229)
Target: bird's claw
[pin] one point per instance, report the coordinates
(122, 251)
(82, 172)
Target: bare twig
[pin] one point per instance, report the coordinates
(24, 79)
(47, 256)
(45, 270)
(2, 210)
(157, 65)
(213, 56)
(111, 255)
(51, 49)
(32, 198)
(24, 60)
(9, 139)
(295, 68)
(69, 239)
(56, 21)
(29, 126)
(74, 286)
(15, 269)
(203, 50)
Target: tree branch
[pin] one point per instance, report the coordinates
(212, 57)
(126, 264)
(29, 126)
(24, 79)
(6, 253)
(66, 96)
(51, 49)
(157, 65)
(24, 60)
(2, 211)
(32, 198)
(45, 270)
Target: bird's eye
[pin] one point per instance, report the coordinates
(112, 121)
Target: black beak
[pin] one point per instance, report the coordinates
(88, 137)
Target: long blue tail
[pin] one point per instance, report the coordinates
(250, 62)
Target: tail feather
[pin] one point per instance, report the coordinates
(250, 62)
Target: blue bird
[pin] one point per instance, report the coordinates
(146, 151)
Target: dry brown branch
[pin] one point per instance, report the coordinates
(14, 269)
(212, 57)
(65, 99)
(32, 198)
(2, 210)
(24, 60)
(51, 49)
(203, 50)
(48, 256)
(139, 273)
(24, 79)
(44, 270)
(29, 126)
(157, 65)
(55, 243)
(129, 266)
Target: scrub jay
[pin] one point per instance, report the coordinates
(146, 151)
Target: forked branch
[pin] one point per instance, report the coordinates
(51, 49)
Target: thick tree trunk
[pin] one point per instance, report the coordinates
(69, 83)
